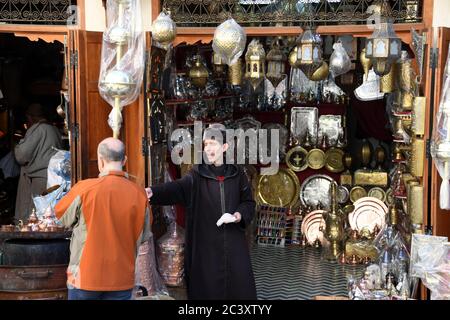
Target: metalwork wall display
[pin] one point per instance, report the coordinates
(47, 12)
(198, 13)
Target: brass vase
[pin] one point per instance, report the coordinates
(387, 83)
(365, 62)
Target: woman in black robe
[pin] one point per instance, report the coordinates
(217, 259)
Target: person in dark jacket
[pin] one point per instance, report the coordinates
(217, 259)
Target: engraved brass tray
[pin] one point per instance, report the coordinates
(296, 159)
(278, 190)
(316, 159)
(334, 160)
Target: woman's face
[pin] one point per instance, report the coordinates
(214, 151)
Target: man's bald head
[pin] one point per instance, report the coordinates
(112, 150)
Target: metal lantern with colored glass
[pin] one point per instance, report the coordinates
(198, 73)
(383, 47)
(309, 52)
(255, 59)
(276, 60)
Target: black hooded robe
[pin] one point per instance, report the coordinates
(217, 259)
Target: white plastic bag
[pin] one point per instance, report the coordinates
(339, 61)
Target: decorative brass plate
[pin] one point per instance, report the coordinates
(378, 193)
(357, 193)
(333, 160)
(316, 159)
(279, 190)
(296, 159)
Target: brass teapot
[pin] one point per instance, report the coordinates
(334, 229)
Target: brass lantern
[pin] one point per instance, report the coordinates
(276, 60)
(218, 64)
(198, 73)
(383, 47)
(309, 52)
(255, 59)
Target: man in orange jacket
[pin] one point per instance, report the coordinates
(110, 219)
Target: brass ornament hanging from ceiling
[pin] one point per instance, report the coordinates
(164, 29)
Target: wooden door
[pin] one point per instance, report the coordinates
(90, 112)
(439, 219)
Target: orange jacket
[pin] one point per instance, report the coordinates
(110, 219)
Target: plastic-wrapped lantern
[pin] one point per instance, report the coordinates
(255, 63)
(276, 64)
(229, 41)
(164, 29)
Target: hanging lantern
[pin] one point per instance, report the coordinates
(255, 63)
(198, 73)
(229, 41)
(276, 60)
(383, 47)
(310, 52)
(164, 29)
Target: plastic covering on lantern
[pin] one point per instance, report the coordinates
(440, 144)
(170, 248)
(122, 59)
(148, 281)
(430, 261)
(229, 41)
(340, 62)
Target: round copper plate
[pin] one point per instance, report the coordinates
(368, 213)
(311, 216)
(313, 230)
